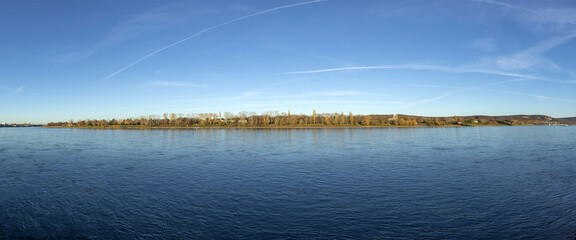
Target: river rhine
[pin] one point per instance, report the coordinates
(351, 183)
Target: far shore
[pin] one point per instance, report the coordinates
(287, 127)
(302, 121)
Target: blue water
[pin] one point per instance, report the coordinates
(408, 183)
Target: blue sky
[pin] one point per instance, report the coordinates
(106, 59)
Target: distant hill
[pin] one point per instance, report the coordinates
(529, 118)
(569, 120)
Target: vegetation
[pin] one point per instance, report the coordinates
(276, 119)
(18, 125)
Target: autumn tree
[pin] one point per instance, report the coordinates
(366, 120)
(313, 116)
(351, 118)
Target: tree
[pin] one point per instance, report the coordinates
(327, 120)
(313, 116)
(229, 117)
(172, 117)
(351, 118)
(402, 122)
(366, 120)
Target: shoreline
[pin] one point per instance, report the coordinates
(288, 127)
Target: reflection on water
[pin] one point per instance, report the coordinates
(409, 183)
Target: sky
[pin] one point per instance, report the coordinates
(67, 59)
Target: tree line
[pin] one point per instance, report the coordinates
(276, 119)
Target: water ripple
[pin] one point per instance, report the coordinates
(479, 183)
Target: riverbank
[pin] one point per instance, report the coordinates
(287, 120)
(289, 127)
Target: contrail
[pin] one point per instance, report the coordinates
(434, 68)
(206, 30)
(482, 87)
(417, 67)
(414, 67)
(505, 5)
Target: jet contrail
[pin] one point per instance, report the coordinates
(417, 67)
(434, 68)
(505, 5)
(206, 30)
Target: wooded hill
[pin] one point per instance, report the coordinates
(276, 119)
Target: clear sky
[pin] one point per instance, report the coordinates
(68, 59)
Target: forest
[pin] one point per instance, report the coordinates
(286, 119)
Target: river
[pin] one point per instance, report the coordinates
(349, 183)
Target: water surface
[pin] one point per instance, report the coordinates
(388, 183)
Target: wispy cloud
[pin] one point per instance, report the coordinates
(484, 87)
(559, 16)
(246, 95)
(12, 90)
(313, 102)
(540, 14)
(305, 95)
(320, 105)
(332, 93)
(145, 23)
(74, 56)
(428, 86)
(540, 97)
(207, 30)
(176, 84)
(484, 44)
(433, 99)
(151, 21)
(532, 56)
(537, 17)
(447, 94)
(18, 90)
